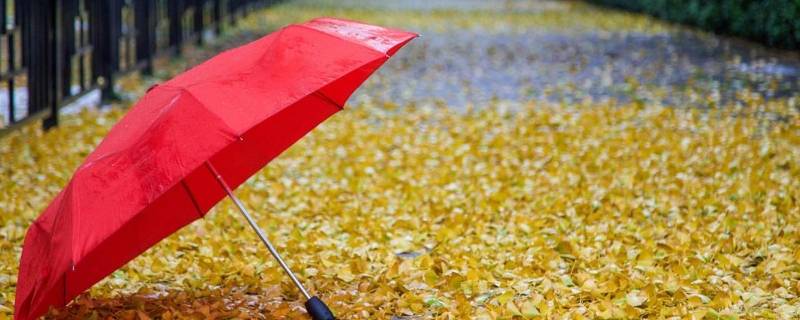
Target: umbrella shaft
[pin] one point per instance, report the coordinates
(258, 231)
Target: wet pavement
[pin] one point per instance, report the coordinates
(679, 66)
(473, 67)
(474, 52)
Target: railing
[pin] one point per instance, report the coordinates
(55, 51)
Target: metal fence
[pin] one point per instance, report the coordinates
(55, 51)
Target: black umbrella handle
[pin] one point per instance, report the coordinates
(318, 310)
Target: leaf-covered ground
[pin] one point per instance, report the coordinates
(630, 197)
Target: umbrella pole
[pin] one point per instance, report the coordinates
(315, 307)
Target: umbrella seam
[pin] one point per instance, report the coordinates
(120, 150)
(337, 36)
(277, 35)
(50, 235)
(229, 131)
(36, 288)
(150, 125)
(191, 197)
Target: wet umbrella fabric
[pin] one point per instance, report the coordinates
(171, 158)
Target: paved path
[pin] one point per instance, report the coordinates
(474, 51)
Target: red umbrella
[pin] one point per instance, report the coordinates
(186, 144)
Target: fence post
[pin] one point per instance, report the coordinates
(175, 32)
(218, 18)
(232, 6)
(145, 36)
(7, 76)
(105, 16)
(42, 85)
(199, 17)
(67, 31)
(58, 51)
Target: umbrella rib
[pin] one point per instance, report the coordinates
(191, 197)
(327, 99)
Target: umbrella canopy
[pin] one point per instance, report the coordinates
(156, 170)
